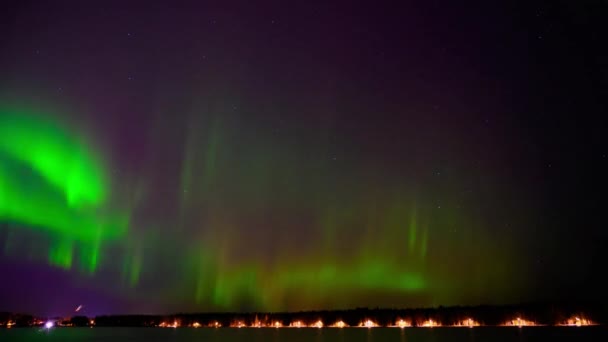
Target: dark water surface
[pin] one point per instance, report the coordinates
(596, 333)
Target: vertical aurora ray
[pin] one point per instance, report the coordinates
(424, 243)
(90, 256)
(61, 254)
(411, 242)
(200, 162)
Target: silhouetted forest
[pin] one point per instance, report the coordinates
(546, 314)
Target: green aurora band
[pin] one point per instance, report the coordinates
(51, 181)
(227, 246)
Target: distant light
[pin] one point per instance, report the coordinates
(368, 324)
(339, 324)
(430, 323)
(296, 324)
(577, 321)
(519, 322)
(49, 324)
(403, 323)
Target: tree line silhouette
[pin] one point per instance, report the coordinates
(540, 313)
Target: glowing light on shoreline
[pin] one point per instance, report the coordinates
(368, 323)
(277, 324)
(174, 324)
(403, 323)
(196, 325)
(339, 324)
(297, 324)
(577, 321)
(469, 322)
(519, 322)
(49, 325)
(237, 324)
(430, 324)
(318, 324)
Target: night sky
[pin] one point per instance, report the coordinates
(262, 156)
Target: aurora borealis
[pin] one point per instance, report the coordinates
(257, 157)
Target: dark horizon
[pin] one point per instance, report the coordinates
(468, 316)
(595, 310)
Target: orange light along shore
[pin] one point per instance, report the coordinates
(297, 324)
(430, 324)
(174, 324)
(519, 322)
(339, 324)
(317, 324)
(577, 321)
(469, 322)
(401, 323)
(368, 323)
(238, 324)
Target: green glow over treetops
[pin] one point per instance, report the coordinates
(309, 283)
(51, 181)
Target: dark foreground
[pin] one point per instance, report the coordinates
(478, 334)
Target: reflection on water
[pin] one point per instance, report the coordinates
(498, 334)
